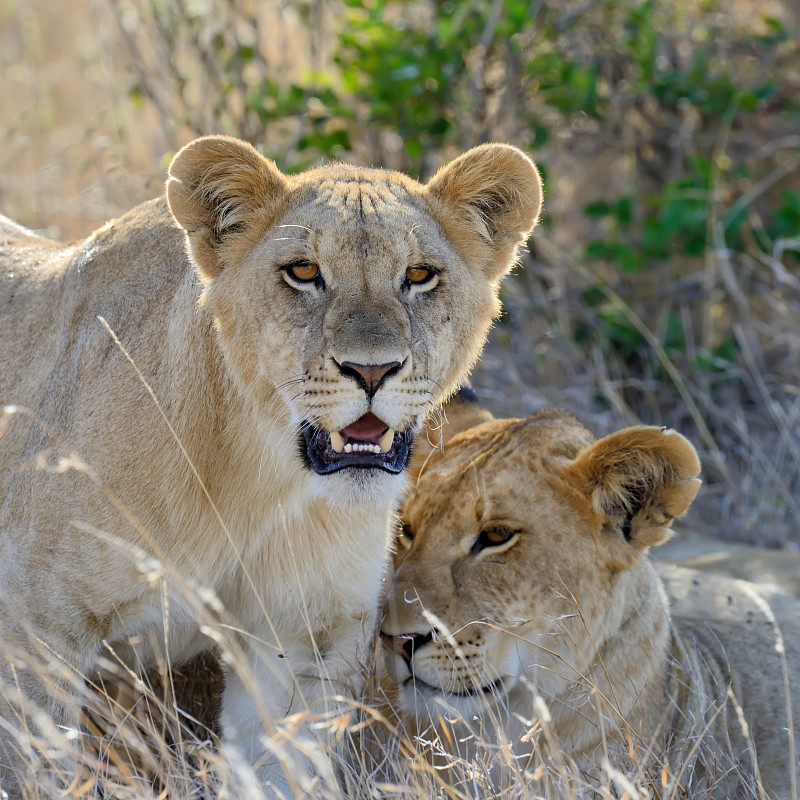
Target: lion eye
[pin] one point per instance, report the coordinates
(303, 272)
(419, 274)
(493, 537)
(405, 534)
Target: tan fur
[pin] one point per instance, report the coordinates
(571, 611)
(463, 410)
(98, 475)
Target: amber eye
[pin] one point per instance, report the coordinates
(304, 271)
(493, 537)
(419, 274)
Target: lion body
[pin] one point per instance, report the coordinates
(523, 601)
(171, 399)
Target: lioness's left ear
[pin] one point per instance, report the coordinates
(488, 200)
(639, 480)
(219, 186)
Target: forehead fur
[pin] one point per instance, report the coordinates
(335, 198)
(368, 193)
(357, 207)
(545, 438)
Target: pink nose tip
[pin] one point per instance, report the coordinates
(370, 376)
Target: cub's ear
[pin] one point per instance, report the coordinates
(638, 481)
(217, 187)
(488, 200)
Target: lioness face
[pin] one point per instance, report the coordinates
(508, 551)
(368, 295)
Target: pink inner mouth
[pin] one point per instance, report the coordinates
(365, 429)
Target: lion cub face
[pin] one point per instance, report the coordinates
(510, 549)
(351, 298)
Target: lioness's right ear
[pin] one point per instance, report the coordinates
(638, 480)
(488, 200)
(217, 187)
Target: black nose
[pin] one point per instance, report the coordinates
(405, 644)
(369, 376)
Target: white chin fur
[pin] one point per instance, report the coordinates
(358, 487)
(426, 703)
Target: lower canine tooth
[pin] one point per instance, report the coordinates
(337, 442)
(386, 440)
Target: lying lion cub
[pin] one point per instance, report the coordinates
(207, 409)
(523, 608)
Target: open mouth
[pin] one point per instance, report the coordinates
(366, 443)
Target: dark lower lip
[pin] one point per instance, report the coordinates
(315, 447)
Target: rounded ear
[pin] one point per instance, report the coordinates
(639, 479)
(217, 187)
(488, 200)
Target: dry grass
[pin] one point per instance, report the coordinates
(77, 150)
(142, 737)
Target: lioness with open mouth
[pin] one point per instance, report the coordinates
(220, 390)
(526, 625)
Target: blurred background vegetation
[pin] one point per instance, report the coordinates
(663, 285)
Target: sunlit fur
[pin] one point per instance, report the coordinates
(155, 450)
(560, 640)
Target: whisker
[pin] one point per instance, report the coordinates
(295, 225)
(291, 381)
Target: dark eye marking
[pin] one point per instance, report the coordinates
(493, 537)
(404, 533)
